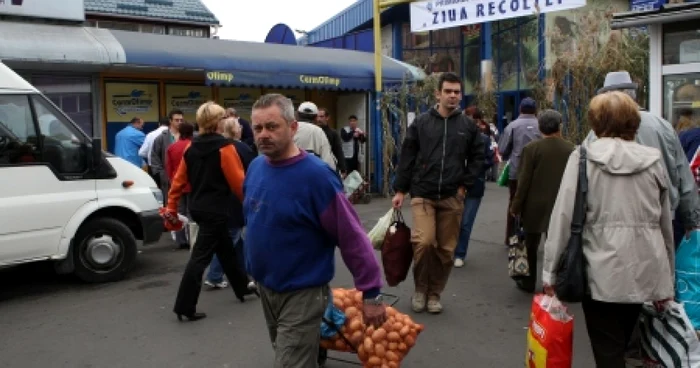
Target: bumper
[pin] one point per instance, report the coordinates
(152, 225)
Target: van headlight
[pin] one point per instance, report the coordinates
(158, 195)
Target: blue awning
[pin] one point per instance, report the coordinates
(259, 64)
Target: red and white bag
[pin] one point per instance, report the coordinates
(550, 336)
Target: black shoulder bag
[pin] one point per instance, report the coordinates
(571, 284)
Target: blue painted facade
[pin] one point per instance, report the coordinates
(346, 21)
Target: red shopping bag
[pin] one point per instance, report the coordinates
(550, 336)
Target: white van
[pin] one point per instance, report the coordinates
(61, 197)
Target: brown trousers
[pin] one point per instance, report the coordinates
(510, 220)
(436, 225)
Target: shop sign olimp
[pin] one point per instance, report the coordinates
(439, 14)
(48, 9)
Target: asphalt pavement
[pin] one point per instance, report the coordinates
(55, 321)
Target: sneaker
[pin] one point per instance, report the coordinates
(252, 286)
(216, 285)
(434, 306)
(459, 263)
(418, 302)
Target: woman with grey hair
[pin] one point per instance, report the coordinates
(541, 169)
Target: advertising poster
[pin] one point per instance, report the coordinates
(187, 98)
(241, 99)
(124, 101)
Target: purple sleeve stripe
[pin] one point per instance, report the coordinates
(341, 221)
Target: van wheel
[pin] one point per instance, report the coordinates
(104, 250)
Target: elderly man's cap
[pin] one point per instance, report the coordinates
(616, 81)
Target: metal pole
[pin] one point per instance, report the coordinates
(379, 138)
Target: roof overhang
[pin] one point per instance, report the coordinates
(254, 64)
(25, 44)
(668, 13)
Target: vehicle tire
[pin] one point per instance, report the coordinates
(104, 250)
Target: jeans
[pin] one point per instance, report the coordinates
(471, 207)
(216, 272)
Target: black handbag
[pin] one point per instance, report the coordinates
(571, 284)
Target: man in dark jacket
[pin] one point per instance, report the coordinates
(441, 157)
(333, 139)
(160, 149)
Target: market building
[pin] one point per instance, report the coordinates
(514, 51)
(104, 62)
(674, 57)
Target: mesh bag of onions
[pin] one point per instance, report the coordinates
(383, 347)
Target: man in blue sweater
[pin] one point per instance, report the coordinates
(296, 213)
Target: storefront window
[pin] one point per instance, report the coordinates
(445, 60)
(472, 59)
(420, 58)
(529, 54)
(414, 40)
(516, 52)
(448, 37)
(682, 97)
(507, 61)
(73, 95)
(681, 43)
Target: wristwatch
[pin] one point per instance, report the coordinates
(376, 301)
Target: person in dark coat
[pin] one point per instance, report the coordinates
(246, 130)
(542, 167)
(472, 201)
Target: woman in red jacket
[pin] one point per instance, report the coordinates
(173, 157)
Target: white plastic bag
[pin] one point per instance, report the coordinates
(193, 230)
(378, 232)
(352, 182)
(668, 337)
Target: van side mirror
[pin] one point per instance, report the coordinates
(96, 153)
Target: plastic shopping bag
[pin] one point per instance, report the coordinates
(172, 221)
(378, 232)
(668, 337)
(550, 335)
(193, 231)
(688, 277)
(505, 176)
(352, 182)
(333, 320)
